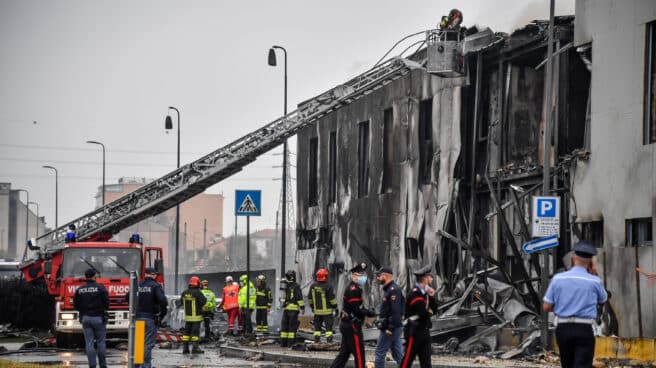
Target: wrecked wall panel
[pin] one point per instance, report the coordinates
(620, 280)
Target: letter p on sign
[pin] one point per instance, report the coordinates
(546, 207)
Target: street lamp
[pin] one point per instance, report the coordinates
(103, 168)
(56, 193)
(168, 125)
(27, 213)
(37, 217)
(272, 62)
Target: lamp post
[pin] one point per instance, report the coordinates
(37, 217)
(56, 192)
(168, 125)
(283, 235)
(27, 213)
(103, 168)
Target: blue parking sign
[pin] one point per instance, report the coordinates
(546, 216)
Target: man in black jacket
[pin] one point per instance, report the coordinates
(390, 319)
(420, 306)
(151, 309)
(92, 301)
(262, 305)
(352, 317)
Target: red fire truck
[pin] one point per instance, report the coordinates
(63, 272)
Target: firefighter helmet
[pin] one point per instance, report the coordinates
(261, 278)
(204, 282)
(194, 281)
(290, 275)
(322, 274)
(243, 278)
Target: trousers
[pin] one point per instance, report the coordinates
(191, 331)
(288, 326)
(247, 319)
(352, 344)
(94, 331)
(576, 343)
(233, 315)
(418, 345)
(261, 319)
(151, 334)
(389, 342)
(326, 321)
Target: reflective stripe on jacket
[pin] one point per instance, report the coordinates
(251, 296)
(193, 301)
(210, 306)
(293, 298)
(322, 299)
(264, 297)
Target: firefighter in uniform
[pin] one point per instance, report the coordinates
(352, 317)
(292, 305)
(573, 296)
(247, 296)
(262, 304)
(92, 301)
(151, 309)
(193, 302)
(208, 309)
(420, 306)
(323, 304)
(230, 304)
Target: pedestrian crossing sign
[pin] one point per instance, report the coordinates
(247, 202)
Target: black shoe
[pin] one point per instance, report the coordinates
(196, 349)
(283, 343)
(329, 339)
(317, 339)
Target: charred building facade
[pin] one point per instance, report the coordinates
(440, 167)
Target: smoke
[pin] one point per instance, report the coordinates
(507, 16)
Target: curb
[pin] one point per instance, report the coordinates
(245, 353)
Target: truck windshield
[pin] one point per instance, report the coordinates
(103, 259)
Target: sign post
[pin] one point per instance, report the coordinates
(248, 203)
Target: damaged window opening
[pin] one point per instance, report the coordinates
(593, 233)
(639, 232)
(363, 159)
(313, 192)
(332, 175)
(388, 141)
(650, 84)
(425, 140)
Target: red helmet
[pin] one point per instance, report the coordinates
(194, 281)
(322, 274)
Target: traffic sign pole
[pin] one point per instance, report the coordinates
(248, 261)
(248, 203)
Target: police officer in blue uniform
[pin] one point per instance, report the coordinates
(573, 296)
(151, 309)
(92, 302)
(390, 319)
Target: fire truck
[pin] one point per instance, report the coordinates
(63, 272)
(61, 262)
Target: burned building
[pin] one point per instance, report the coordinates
(440, 166)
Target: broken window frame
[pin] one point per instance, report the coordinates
(425, 137)
(332, 167)
(313, 172)
(639, 232)
(649, 113)
(363, 158)
(387, 150)
(593, 232)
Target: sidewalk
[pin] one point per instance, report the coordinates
(325, 358)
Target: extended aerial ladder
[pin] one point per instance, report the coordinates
(191, 179)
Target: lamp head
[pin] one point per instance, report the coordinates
(168, 123)
(272, 57)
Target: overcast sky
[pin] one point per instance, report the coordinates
(72, 71)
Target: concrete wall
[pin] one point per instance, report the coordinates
(618, 182)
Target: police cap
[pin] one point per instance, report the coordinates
(385, 269)
(585, 250)
(90, 273)
(426, 270)
(150, 271)
(359, 268)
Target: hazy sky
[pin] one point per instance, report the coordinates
(72, 71)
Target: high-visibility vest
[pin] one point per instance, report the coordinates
(231, 296)
(251, 296)
(210, 306)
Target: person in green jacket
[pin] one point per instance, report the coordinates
(208, 308)
(247, 304)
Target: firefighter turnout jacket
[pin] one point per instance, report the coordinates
(251, 296)
(264, 297)
(230, 296)
(193, 302)
(293, 297)
(91, 299)
(322, 298)
(152, 300)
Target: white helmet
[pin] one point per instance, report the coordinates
(228, 279)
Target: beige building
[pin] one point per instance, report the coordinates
(201, 222)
